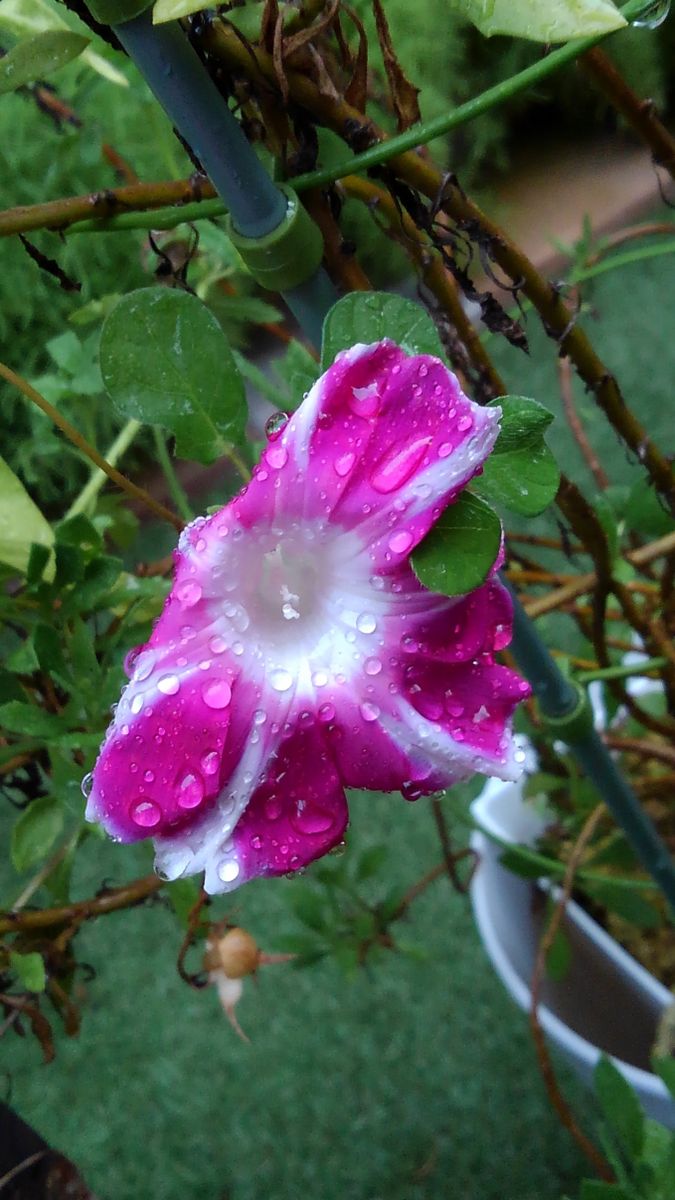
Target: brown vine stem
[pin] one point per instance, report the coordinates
(126, 896)
(59, 214)
(642, 747)
(428, 262)
(340, 116)
(640, 114)
(585, 583)
(74, 436)
(555, 1096)
(574, 422)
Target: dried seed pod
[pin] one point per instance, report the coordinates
(236, 954)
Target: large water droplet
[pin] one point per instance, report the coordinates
(326, 713)
(276, 456)
(136, 704)
(217, 645)
(275, 424)
(86, 785)
(169, 685)
(465, 423)
(189, 593)
(190, 790)
(369, 712)
(366, 623)
(401, 541)
(145, 813)
(281, 679)
(217, 693)
(344, 464)
(373, 666)
(311, 819)
(653, 16)
(228, 870)
(365, 401)
(395, 470)
(209, 762)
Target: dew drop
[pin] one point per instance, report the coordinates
(275, 424)
(312, 820)
(366, 623)
(398, 467)
(86, 785)
(276, 457)
(465, 423)
(228, 871)
(373, 666)
(369, 711)
(326, 713)
(401, 541)
(189, 593)
(259, 717)
(365, 401)
(217, 645)
(190, 790)
(169, 685)
(149, 776)
(145, 813)
(445, 449)
(137, 703)
(217, 693)
(320, 678)
(281, 679)
(256, 842)
(343, 465)
(653, 16)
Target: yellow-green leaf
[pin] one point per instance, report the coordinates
(21, 523)
(172, 10)
(38, 57)
(542, 20)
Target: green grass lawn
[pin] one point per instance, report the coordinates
(417, 1080)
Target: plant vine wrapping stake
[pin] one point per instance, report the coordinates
(283, 250)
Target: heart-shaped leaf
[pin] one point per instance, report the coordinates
(458, 554)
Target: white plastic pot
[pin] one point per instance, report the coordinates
(606, 1003)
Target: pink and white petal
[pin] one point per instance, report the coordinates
(458, 629)
(463, 714)
(285, 810)
(381, 443)
(171, 745)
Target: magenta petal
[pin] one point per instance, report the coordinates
(296, 814)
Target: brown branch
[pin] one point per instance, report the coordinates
(113, 900)
(644, 749)
(574, 422)
(640, 114)
(555, 1096)
(450, 857)
(74, 436)
(136, 197)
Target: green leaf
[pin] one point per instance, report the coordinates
(165, 360)
(28, 719)
(541, 20)
(371, 862)
(172, 10)
(39, 57)
(30, 970)
(459, 552)
(35, 832)
(308, 906)
(369, 317)
(520, 473)
(183, 895)
(620, 1106)
(21, 522)
(595, 1189)
(298, 371)
(625, 903)
(644, 512)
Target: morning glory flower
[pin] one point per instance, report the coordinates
(298, 654)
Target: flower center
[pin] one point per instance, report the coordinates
(289, 587)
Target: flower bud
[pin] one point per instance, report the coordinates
(236, 954)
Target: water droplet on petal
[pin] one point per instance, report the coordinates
(369, 712)
(281, 679)
(276, 456)
(169, 685)
(145, 813)
(275, 424)
(366, 623)
(311, 819)
(86, 785)
(365, 401)
(445, 449)
(190, 790)
(228, 870)
(217, 693)
(344, 464)
(137, 703)
(401, 541)
(209, 762)
(149, 776)
(256, 842)
(373, 666)
(189, 593)
(411, 790)
(217, 645)
(465, 423)
(320, 678)
(398, 467)
(326, 713)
